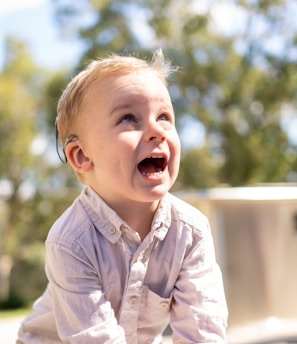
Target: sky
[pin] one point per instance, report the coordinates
(33, 22)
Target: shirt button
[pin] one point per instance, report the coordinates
(112, 230)
(133, 301)
(164, 304)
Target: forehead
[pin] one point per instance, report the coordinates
(137, 86)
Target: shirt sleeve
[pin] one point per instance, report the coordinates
(82, 313)
(199, 310)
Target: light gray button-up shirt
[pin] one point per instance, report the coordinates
(108, 286)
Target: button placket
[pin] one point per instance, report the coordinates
(134, 292)
(133, 301)
(135, 286)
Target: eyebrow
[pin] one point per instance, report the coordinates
(130, 103)
(121, 107)
(126, 103)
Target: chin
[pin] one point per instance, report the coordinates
(157, 192)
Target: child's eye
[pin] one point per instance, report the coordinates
(127, 118)
(164, 117)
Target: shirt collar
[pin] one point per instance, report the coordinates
(108, 222)
(162, 218)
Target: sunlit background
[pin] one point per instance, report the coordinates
(235, 98)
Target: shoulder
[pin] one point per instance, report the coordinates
(186, 214)
(70, 226)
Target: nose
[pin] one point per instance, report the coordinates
(155, 132)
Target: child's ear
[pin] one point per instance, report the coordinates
(77, 158)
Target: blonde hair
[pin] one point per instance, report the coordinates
(72, 98)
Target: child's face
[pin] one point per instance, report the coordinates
(128, 133)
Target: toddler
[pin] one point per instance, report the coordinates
(127, 258)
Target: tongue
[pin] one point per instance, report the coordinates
(147, 166)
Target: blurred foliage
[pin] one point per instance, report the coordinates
(34, 188)
(234, 83)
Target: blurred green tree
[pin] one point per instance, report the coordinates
(19, 80)
(31, 193)
(17, 113)
(236, 79)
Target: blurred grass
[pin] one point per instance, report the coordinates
(15, 313)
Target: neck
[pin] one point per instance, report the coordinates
(138, 216)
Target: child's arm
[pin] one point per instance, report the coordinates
(82, 313)
(199, 311)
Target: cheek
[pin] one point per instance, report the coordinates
(175, 151)
(121, 152)
(127, 144)
(100, 153)
(175, 147)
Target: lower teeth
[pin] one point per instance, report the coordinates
(150, 174)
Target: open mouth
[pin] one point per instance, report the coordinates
(152, 165)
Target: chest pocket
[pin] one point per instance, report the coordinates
(154, 312)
